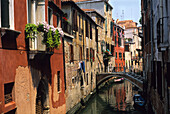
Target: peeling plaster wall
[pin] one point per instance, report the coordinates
(24, 91)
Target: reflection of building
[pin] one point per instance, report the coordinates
(133, 59)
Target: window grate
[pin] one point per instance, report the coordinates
(8, 92)
(8, 98)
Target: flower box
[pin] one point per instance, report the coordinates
(43, 37)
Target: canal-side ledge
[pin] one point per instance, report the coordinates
(83, 103)
(79, 106)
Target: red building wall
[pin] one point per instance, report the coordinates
(14, 54)
(119, 63)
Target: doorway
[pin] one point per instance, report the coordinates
(42, 99)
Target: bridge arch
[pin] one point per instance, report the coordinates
(100, 78)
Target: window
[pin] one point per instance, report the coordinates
(50, 13)
(92, 55)
(91, 31)
(102, 48)
(107, 8)
(7, 13)
(87, 54)
(112, 49)
(115, 28)
(106, 24)
(115, 40)
(87, 30)
(71, 53)
(96, 39)
(58, 20)
(119, 42)
(123, 55)
(8, 92)
(58, 80)
(80, 24)
(116, 55)
(74, 20)
(80, 52)
(87, 79)
(111, 28)
(120, 55)
(159, 40)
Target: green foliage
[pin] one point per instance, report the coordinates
(31, 30)
(49, 42)
(140, 20)
(40, 28)
(51, 37)
(56, 39)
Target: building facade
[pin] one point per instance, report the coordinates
(32, 77)
(100, 38)
(133, 46)
(119, 53)
(105, 9)
(155, 25)
(80, 55)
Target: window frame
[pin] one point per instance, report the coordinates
(58, 81)
(71, 53)
(87, 54)
(50, 20)
(11, 15)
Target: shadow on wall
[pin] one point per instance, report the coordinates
(40, 68)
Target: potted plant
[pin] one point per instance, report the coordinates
(47, 34)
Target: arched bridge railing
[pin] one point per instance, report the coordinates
(133, 78)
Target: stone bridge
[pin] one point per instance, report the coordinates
(133, 78)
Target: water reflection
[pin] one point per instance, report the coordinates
(113, 99)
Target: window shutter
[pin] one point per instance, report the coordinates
(106, 24)
(5, 13)
(76, 28)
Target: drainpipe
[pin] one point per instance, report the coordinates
(64, 64)
(63, 57)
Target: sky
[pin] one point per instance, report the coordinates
(126, 9)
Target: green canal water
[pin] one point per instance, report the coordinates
(115, 98)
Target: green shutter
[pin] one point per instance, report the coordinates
(111, 28)
(106, 24)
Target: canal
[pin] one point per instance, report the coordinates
(114, 98)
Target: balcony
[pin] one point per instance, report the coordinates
(8, 38)
(42, 38)
(37, 47)
(66, 26)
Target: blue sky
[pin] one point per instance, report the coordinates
(131, 9)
